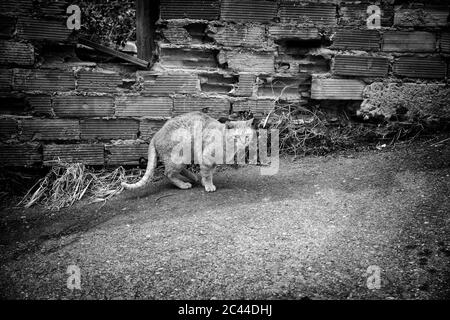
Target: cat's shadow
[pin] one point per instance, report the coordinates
(156, 189)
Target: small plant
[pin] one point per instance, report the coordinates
(111, 23)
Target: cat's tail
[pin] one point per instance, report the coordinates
(151, 165)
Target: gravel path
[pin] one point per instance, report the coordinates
(312, 231)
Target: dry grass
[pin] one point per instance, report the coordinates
(310, 130)
(67, 183)
(297, 127)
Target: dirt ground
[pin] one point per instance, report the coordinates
(311, 231)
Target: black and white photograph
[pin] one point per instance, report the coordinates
(225, 155)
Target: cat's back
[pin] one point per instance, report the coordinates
(187, 121)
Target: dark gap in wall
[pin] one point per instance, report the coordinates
(297, 47)
(50, 53)
(285, 87)
(326, 41)
(345, 109)
(314, 64)
(189, 58)
(127, 84)
(305, 64)
(197, 31)
(217, 83)
(218, 78)
(7, 26)
(216, 88)
(13, 105)
(295, 56)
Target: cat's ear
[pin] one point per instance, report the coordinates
(249, 122)
(230, 125)
(223, 120)
(227, 122)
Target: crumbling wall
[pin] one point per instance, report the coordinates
(58, 100)
(217, 56)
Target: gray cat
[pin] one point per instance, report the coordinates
(199, 135)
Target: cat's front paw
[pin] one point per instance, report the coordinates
(210, 188)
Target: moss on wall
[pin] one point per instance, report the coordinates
(406, 101)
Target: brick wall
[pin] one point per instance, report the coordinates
(218, 56)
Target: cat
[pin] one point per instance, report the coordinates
(197, 135)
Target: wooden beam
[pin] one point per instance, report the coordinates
(147, 13)
(118, 54)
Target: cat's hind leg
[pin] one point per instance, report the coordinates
(172, 172)
(190, 175)
(175, 179)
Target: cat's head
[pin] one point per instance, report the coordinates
(232, 123)
(241, 130)
(239, 124)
